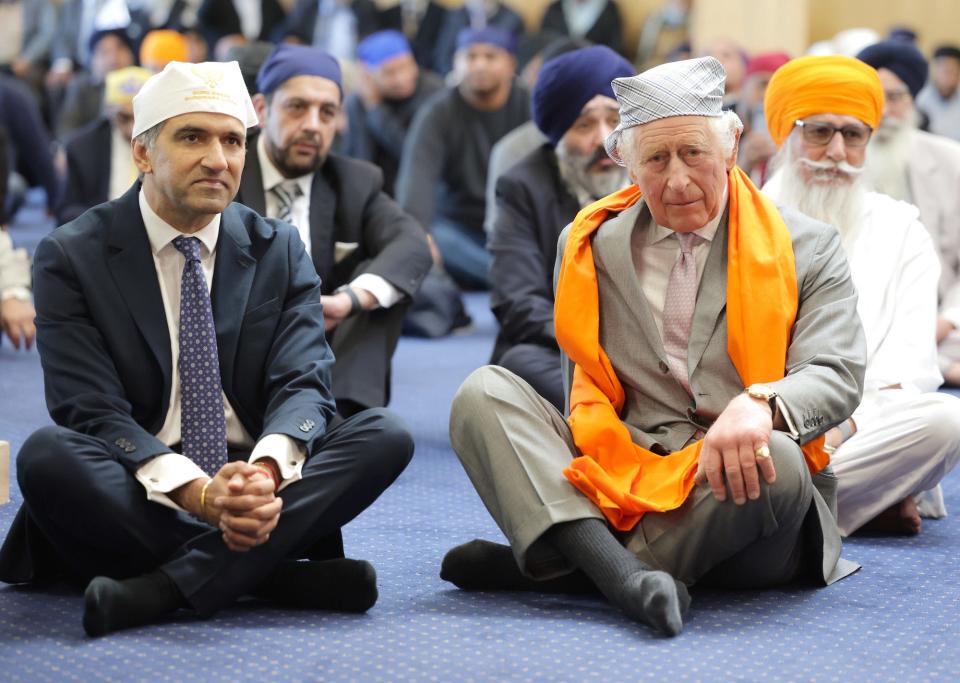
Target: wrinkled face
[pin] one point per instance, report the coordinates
(898, 102)
(110, 54)
(835, 161)
(299, 123)
(681, 168)
(396, 78)
(585, 137)
(945, 74)
(193, 170)
(121, 117)
(486, 68)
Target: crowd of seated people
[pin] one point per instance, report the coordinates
(727, 290)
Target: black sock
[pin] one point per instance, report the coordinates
(482, 565)
(340, 584)
(651, 597)
(111, 605)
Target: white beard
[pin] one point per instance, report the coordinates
(588, 186)
(825, 190)
(886, 167)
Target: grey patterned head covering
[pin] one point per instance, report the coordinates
(692, 87)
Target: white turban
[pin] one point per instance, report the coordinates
(182, 88)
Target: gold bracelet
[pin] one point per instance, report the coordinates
(203, 496)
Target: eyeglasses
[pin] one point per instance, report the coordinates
(820, 134)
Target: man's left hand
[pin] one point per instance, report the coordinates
(728, 454)
(16, 317)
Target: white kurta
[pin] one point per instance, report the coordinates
(907, 438)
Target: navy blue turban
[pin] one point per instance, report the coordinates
(566, 83)
(491, 35)
(900, 57)
(382, 46)
(288, 61)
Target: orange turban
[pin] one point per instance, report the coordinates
(831, 84)
(162, 47)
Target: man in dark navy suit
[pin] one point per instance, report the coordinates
(194, 458)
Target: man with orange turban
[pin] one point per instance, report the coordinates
(904, 437)
(162, 46)
(713, 340)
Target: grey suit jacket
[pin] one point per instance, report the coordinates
(825, 361)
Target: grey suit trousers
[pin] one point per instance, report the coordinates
(514, 446)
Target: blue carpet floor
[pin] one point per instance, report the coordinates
(895, 620)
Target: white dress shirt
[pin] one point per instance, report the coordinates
(169, 471)
(250, 13)
(385, 293)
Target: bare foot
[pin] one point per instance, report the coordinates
(901, 519)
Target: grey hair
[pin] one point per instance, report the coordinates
(725, 128)
(148, 138)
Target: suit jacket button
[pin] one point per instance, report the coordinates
(305, 426)
(664, 368)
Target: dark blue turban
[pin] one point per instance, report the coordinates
(120, 33)
(491, 35)
(566, 83)
(900, 57)
(381, 46)
(288, 61)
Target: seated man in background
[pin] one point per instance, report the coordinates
(370, 255)
(672, 296)
(193, 459)
(110, 50)
(922, 169)
(574, 107)
(16, 304)
(100, 165)
(391, 88)
(443, 172)
(904, 437)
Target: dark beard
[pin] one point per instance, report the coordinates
(290, 169)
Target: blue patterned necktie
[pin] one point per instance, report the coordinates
(203, 429)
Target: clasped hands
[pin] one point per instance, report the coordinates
(240, 500)
(729, 452)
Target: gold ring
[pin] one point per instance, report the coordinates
(762, 453)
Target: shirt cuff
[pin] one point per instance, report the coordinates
(166, 472)
(284, 451)
(782, 410)
(385, 293)
(19, 293)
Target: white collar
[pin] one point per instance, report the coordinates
(271, 176)
(160, 233)
(658, 233)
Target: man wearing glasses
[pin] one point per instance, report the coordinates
(904, 437)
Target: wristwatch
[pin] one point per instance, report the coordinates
(355, 305)
(762, 392)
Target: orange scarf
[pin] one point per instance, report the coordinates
(622, 479)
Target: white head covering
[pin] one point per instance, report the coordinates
(692, 87)
(182, 88)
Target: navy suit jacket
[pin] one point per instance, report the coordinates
(105, 346)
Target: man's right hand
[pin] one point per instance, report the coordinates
(240, 501)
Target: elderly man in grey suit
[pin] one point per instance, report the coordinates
(673, 295)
